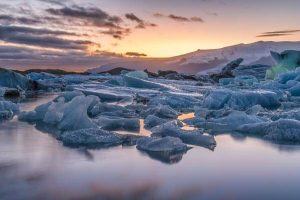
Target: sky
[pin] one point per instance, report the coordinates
(56, 33)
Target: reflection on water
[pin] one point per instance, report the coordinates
(34, 165)
(185, 116)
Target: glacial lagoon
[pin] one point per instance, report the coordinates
(34, 165)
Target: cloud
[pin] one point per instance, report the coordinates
(135, 54)
(140, 23)
(7, 19)
(55, 2)
(91, 16)
(41, 38)
(278, 33)
(179, 18)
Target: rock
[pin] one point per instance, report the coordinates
(227, 71)
(90, 138)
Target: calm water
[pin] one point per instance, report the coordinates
(33, 165)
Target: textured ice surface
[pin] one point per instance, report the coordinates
(175, 129)
(72, 115)
(286, 61)
(40, 76)
(90, 138)
(12, 79)
(8, 110)
(152, 121)
(161, 111)
(231, 121)
(240, 99)
(137, 74)
(166, 144)
(283, 130)
(118, 123)
(167, 150)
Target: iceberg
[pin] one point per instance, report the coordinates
(72, 115)
(286, 61)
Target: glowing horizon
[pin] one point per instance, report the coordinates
(154, 29)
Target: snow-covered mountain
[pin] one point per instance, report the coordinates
(205, 61)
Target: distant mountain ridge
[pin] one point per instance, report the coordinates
(205, 61)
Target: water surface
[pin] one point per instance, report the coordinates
(34, 165)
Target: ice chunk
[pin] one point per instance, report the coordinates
(240, 99)
(167, 150)
(8, 110)
(152, 121)
(111, 110)
(174, 129)
(137, 74)
(231, 122)
(141, 83)
(55, 112)
(166, 144)
(176, 101)
(118, 123)
(107, 95)
(90, 138)
(65, 116)
(161, 111)
(12, 79)
(199, 139)
(40, 76)
(286, 61)
(9, 106)
(295, 90)
(68, 96)
(75, 114)
(283, 130)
